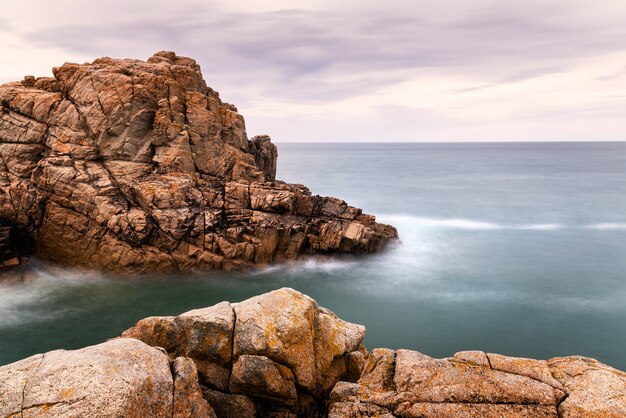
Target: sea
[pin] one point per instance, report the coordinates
(512, 248)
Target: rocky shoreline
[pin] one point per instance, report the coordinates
(282, 355)
(133, 166)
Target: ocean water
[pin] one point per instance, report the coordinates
(515, 248)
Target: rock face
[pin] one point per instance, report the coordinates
(474, 384)
(134, 166)
(282, 355)
(277, 353)
(120, 378)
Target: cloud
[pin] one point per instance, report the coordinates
(293, 44)
(290, 58)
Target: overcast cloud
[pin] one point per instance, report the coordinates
(456, 70)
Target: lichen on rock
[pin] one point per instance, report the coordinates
(280, 348)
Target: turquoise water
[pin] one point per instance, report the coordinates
(516, 248)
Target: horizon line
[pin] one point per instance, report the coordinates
(448, 142)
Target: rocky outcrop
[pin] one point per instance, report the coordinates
(474, 384)
(277, 353)
(282, 355)
(134, 166)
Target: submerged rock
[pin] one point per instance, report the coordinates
(134, 166)
(282, 355)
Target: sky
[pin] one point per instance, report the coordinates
(393, 70)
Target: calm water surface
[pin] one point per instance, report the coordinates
(512, 248)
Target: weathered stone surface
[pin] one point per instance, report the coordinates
(228, 405)
(157, 331)
(357, 410)
(462, 380)
(410, 384)
(594, 389)
(136, 166)
(379, 370)
(279, 355)
(333, 339)
(123, 377)
(474, 384)
(473, 410)
(535, 369)
(280, 326)
(260, 376)
(188, 400)
(280, 347)
(204, 335)
(210, 332)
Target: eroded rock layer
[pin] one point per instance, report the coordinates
(281, 355)
(137, 166)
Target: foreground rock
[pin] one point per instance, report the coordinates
(275, 353)
(120, 378)
(282, 355)
(474, 384)
(136, 166)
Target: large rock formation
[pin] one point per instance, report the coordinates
(281, 355)
(137, 166)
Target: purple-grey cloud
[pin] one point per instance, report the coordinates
(446, 69)
(304, 55)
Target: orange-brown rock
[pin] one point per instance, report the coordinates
(280, 348)
(474, 384)
(135, 166)
(595, 390)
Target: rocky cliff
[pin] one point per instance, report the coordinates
(282, 355)
(134, 166)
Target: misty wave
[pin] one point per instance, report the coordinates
(467, 224)
(479, 225)
(20, 302)
(324, 264)
(607, 226)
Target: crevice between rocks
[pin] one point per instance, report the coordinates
(558, 405)
(173, 373)
(393, 364)
(481, 403)
(232, 343)
(43, 356)
(50, 404)
(562, 389)
(489, 361)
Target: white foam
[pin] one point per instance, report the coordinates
(607, 226)
(464, 224)
(17, 300)
(323, 264)
(541, 227)
(326, 264)
(458, 224)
